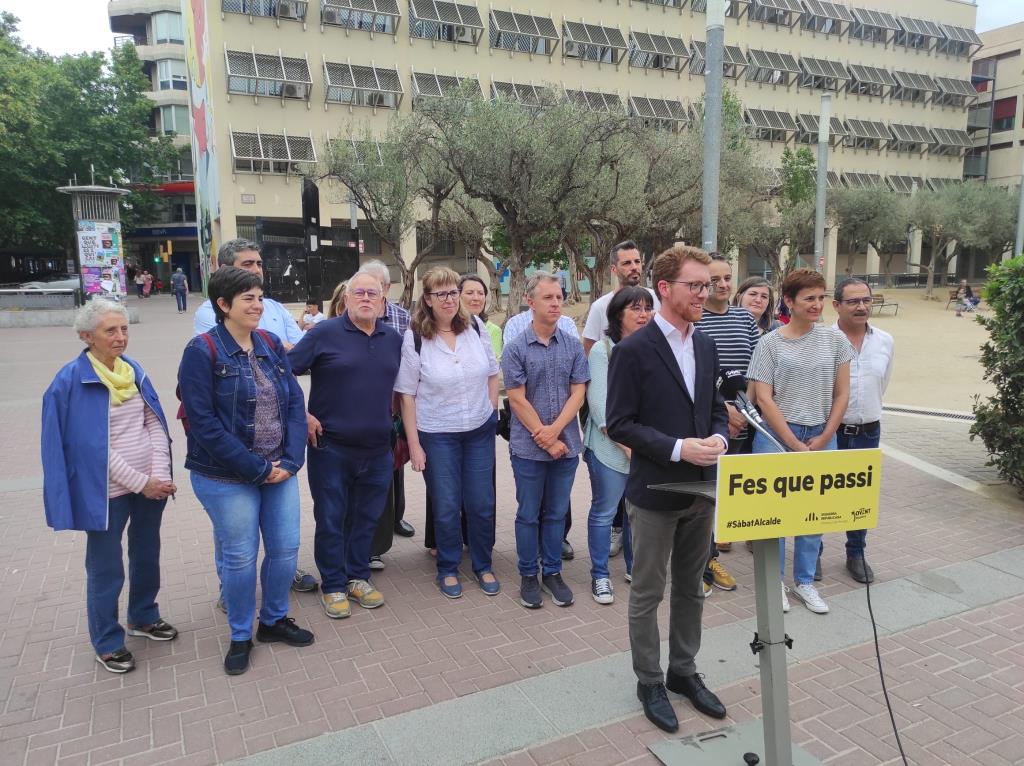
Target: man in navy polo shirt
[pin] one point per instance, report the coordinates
(353, 360)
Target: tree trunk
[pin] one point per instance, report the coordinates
(494, 280)
(574, 283)
(929, 283)
(408, 284)
(517, 272)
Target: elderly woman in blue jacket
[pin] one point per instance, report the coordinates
(246, 442)
(107, 465)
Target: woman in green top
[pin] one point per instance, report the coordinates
(474, 298)
(629, 310)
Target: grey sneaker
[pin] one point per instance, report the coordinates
(529, 593)
(120, 661)
(304, 582)
(601, 590)
(616, 543)
(555, 586)
(376, 563)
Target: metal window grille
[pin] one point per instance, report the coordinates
(904, 184)
(821, 74)
(594, 101)
(910, 134)
(769, 125)
(862, 180)
(808, 124)
(771, 67)
(365, 15)
(276, 153)
(523, 33)
(940, 183)
(919, 34)
(267, 74)
(433, 85)
(648, 51)
(292, 10)
(958, 41)
(869, 80)
(658, 113)
(946, 138)
(955, 92)
(825, 17)
(450, 22)
(866, 134)
(783, 13)
(521, 93)
(733, 60)
(590, 42)
(362, 85)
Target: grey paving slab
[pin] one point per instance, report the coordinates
(361, 745)
(1010, 561)
(466, 730)
(817, 634)
(899, 604)
(971, 583)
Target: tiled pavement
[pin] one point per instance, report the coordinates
(58, 706)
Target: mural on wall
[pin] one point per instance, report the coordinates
(204, 142)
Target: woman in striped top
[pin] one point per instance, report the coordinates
(801, 376)
(107, 466)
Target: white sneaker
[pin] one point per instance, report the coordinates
(616, 547)
(376, 563)
(601, 590)
(629, 577)
(809, 595)
(785, 598)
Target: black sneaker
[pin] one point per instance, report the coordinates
(236, 661)
(556, 587)
(158, 631)
(120, 661)
(284, 630)
(529, 593)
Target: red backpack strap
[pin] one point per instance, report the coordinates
(212, 346)
(267, 338)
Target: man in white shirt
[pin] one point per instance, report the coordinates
(627, 267)
(870, 372)
(276, 319)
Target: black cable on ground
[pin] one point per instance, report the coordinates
(881, 673)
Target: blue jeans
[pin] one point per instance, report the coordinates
(606, 488)
(857, 539)
(550, 482)
(349, 491)
(458, 474)
(241, 514)
(181, 298)
(805, 547)
(104, 569)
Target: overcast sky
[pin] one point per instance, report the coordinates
(72, 26)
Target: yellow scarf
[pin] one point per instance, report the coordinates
(120, 381)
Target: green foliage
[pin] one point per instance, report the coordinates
(799, 179)
(1000, 419)
(58, 117)
(875, 217)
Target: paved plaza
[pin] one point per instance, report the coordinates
(426, 680)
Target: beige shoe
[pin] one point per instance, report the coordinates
(335, 605)
(364, 593)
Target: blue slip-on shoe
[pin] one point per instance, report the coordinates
(450, 591)
(490, 588)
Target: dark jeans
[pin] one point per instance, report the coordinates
(857, 539)
(429, 538)
(349, 492)
(104, 569)
(547, 483)
(140, 288)
(181, 298)
(458, 473)
(394, 512)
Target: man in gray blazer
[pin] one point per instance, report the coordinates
(663, 404)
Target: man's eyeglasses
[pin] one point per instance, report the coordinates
(362, 292)
(857, 301)
(446, 295)
(695, 287)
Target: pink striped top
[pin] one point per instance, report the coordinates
(138, 448)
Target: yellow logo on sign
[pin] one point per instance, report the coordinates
(797, 493)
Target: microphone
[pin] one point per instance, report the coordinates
(753, 417)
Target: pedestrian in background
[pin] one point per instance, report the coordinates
(448, 382)
(179, 285)
(106, 467)
(246, 442)
(756, 295)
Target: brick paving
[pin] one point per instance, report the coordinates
(58, 706)
(956, 687)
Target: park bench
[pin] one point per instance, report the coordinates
(952, 297)
(878, 303)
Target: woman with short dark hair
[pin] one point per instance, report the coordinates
(246, 442)
(629, 310)
(107, 466)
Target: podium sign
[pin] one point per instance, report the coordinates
(797, 493)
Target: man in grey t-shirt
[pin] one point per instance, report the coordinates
(179, 286)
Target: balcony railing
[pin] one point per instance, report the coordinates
(122, 40)
(975, 166)
(979, 118)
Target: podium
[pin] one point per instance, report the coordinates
(770, 740)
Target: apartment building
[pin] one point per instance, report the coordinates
(273, 80)
(156, 29)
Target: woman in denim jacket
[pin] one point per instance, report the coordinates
(246, 442)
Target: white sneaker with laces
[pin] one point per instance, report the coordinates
(616, 545)
(785, 598)
(812, 600)
(601, 590)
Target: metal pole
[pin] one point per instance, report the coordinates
(771, 631)
(713, 77)
(1018, 244)
(819, 211)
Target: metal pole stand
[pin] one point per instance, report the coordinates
(769, 742)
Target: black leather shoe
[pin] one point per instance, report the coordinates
(286, 631)
(404, 529)
(236, 661)
(860, 570)
(657, 708)
(693, 688)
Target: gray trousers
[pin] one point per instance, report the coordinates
(683, 537)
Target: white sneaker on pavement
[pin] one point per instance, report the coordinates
(812, 600)
(616, 545)
(601, 590)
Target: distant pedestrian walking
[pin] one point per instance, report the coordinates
(107, 467)
(179, 286)
(147, 283)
